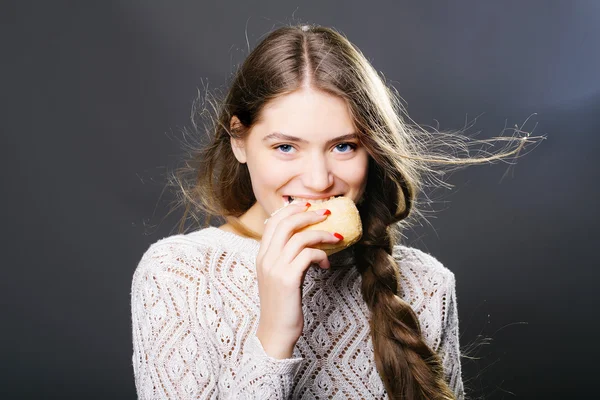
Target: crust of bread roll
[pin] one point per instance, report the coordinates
(344, 219)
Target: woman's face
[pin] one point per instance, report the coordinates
(300, 148)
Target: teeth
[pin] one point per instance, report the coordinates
(311, 201)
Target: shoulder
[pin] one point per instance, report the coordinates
(422, 269)
(175, 248)
(170, 270)
(177, 256)
(429, 287)
(193, 255)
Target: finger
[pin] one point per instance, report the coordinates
(294, 278)
(274, 220)
(305, 239)
(306, 258)
(288, 226)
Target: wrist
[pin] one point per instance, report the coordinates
(275, 346)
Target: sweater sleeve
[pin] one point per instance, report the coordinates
(171, 358)
(263, 377)
(176, 351)
(450, 346)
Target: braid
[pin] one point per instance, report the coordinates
(410, 370)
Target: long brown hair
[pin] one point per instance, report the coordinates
(402, 158)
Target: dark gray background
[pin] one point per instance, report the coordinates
(94, 95)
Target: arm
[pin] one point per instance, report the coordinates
(171, 360)
(176, 330)
(263, 377)
(449, 348)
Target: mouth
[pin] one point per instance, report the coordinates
(290, 199)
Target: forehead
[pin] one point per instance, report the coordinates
(307, 113)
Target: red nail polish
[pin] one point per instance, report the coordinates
(337, 235)
(307, 205)
(327, 212)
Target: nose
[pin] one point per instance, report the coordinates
(317, 175)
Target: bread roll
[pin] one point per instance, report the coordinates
(344, 219)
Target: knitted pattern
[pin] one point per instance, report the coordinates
(195, 310)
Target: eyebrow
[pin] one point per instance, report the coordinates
(288, 138)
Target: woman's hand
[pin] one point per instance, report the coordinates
(283, 259)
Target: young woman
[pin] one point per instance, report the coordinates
(251, 309)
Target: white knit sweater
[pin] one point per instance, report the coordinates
(195, 310)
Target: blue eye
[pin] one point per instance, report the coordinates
(284, 145)
(352, 146)
(287, 148)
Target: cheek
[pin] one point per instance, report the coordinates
(359, 179)
(266, 177)
(358, 173)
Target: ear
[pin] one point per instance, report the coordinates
(237, 145)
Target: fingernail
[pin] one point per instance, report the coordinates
(337, 235)
(307, 205)
(323, 212)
